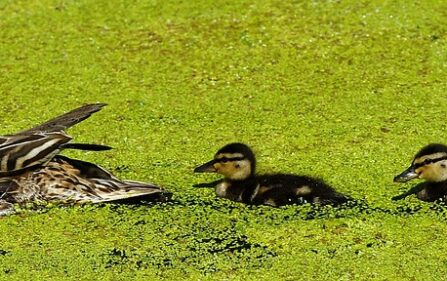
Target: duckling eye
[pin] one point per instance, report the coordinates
(426, 161)
(443, 165)
(224, 160)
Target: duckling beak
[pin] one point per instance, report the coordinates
(406, 175)
(208, 167)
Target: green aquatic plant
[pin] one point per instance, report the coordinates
(342, 90)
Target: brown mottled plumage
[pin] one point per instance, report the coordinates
(32, 171)
(38, 145)
(66, 180)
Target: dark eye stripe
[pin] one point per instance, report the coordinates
(226, 159)
(429, 161)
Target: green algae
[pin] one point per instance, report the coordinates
(344, 90)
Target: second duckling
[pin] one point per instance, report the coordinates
(429, 164)
(237, 163)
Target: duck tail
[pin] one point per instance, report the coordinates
(102, 186)
(129, 192)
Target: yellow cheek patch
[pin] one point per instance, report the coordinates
(430, 173)
(419, 170)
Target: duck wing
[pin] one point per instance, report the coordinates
(65, 120)
(40, 144)
(23, 151)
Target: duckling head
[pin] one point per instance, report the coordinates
(430, 164)
(235, 161)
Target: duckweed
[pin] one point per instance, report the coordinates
(343, 90)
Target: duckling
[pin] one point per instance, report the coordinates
(33, 171)
(237, 163)
(429, 164)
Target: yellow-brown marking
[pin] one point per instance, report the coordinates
(303, 190)
(229, 155)
(221, 189)
(235, 170)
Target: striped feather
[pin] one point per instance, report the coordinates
(113, 190)
(24, 152)
(38, 145)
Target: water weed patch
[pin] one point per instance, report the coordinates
(347, 91)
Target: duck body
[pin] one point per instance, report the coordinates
(31, 169)
(69, 181)
(236, 162)
(429, 164)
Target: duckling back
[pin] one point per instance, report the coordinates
(283, 189)
(280, 189)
